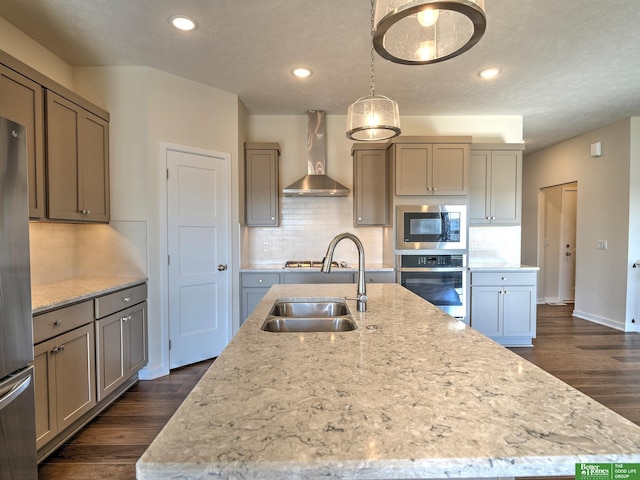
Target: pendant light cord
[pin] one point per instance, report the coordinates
(372, 87)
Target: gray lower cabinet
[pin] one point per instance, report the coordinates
(317, 277)
(254, 287)
(121, 337)
(64, 371)
(85, 356)
(503, 306)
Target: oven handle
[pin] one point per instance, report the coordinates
(424, 269)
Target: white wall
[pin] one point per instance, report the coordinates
(148, 106)
(604, 208)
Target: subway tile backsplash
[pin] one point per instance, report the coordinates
(60, 251)
(307, 225)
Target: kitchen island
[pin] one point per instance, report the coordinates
(412, 393)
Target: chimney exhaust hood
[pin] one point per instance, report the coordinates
(316, 183)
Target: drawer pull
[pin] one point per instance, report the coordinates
(126, 319)
(126, 299)
(57, 323)
(260, 281)
(503, 279)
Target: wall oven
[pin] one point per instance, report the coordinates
(431, 227)
(440, 279)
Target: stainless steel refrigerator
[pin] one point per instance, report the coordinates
(17, 409)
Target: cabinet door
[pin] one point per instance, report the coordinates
(63, 156)
(94, 167)
(450, 169)
(121, 347)
(370, 204)
(110, 354)
(479, 187)
(136, 339)
(412, 167)
(75, 374)
(45, 392)
(506, 181)
(486, 310)
(251, 297)
(21, 101)
(261, 170)
(519, 312)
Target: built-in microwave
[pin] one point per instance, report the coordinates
(431, 227)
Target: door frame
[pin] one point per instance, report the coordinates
(164, 244)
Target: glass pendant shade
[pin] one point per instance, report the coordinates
(373, 118)
(427, 31)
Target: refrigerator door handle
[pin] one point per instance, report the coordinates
(14, 392)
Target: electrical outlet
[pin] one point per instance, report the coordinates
(265, 247)
(601, 244)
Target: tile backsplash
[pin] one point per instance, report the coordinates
(307, 225)
(60, 251)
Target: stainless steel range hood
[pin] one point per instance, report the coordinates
(316, 183)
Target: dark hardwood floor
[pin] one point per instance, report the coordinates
(599, 361)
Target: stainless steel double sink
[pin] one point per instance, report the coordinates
(309, 315)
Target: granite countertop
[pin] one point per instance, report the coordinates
(65, 292)
(421, 396)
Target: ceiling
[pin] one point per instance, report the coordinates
(569, 66)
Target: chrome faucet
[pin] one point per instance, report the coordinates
(361, 296)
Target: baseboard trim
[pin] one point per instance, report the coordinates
(607, 322)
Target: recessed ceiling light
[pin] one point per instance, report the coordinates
(490, 72)
(301, 72)
(183, 23)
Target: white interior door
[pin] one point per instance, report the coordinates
(199, 248)
(569, 211)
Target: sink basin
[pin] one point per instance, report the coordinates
(312, 309)
(281, 324)
(306, 315)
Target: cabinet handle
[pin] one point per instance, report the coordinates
(503, 278)
(260, 280)
(126, 299)
(58, 349)
(273, 218)
(126, 319)
(57, 323)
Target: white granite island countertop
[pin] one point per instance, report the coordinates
(421, 396)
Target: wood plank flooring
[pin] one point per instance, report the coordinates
(599, 361)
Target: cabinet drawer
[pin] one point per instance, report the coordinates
(260, 279)
(114, 302)
(57, 322)
(503, 278)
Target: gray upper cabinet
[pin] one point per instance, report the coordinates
(423, 168)
(21, 101)
(495, 193)
(261, 184)
(370, 185)
(77, 144)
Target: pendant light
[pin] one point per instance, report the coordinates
(374, 117)
(427, 31)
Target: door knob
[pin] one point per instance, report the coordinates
(222, 267)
